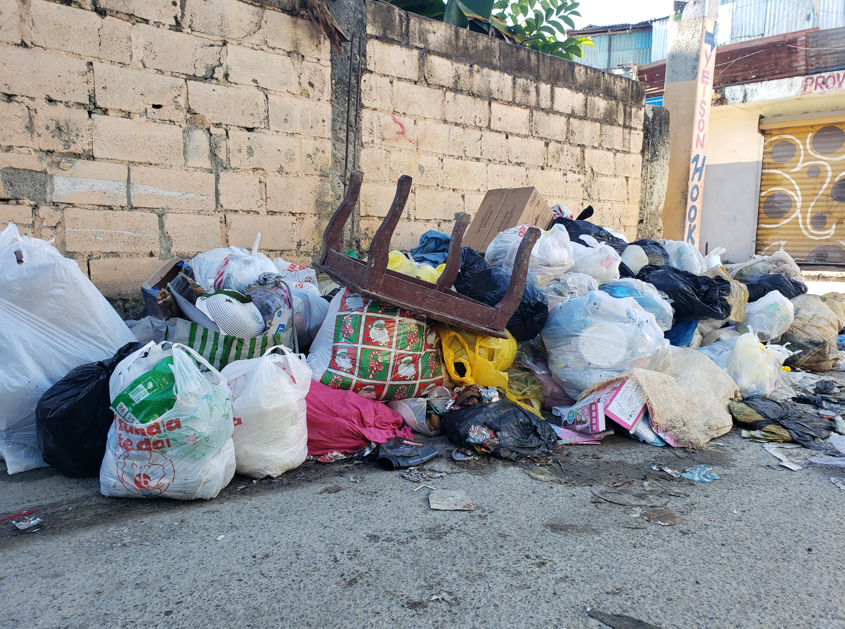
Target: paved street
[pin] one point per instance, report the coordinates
(760, 547)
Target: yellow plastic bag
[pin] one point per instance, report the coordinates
(525, 387)
(399, 262)
(472, 358)
(429, 274)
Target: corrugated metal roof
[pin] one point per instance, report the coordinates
(749, 20)
(594, 29)
(826, 51)
(660, 39)
(788, 16)
(831, 14)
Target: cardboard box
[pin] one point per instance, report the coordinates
(160, 279)
(625, 403)
(504, 208)
(586, 415)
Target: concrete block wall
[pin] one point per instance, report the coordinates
(462, 113)
(135, 130)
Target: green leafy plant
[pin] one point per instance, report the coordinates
(536, 24)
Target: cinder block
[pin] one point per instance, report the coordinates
(278, 233)
(459, 174)
(612, 137)
(564, 157)
(466, 142)
(132, 141)
(549, 126)
(316, 155)
(477, 47)
(585, 132)
(179, 190)
(237, 106)
(460, 109)
(566, 101)
(20, 215)
(494, 146)
(263, 151)
(227, 19)
(425, 169)
(499, 176)
(376, 198)
(299, 195)
(119, 278)
(612, 189)
(315, 80)
(373, 161)
(240, 192)
(432, 35)
(15, 125)
(309, 234)
(197, 147)
(604, 110)
(393, 60)
(418, 100)
(634, 117)
(628, 165)
(525, 91)
(160, 97)
(544, 95)
(64, 28)
(299, 116)
(636, 139)
(376, 92)
(104, 231)
(10, 21)
(579, 187)
(437, 204)
(189, 234)
(598, 161)
(488, 83)
(90, 183)
(396, 132)
(265, 69)
(551, 183)
(434, 137)
(634, 190)
(525, 151)
(116, 41)
(29, 72)
(293, 34)
(162, 11)
(386, 21)
(63, 129)
(509, 119)
(170, 51)
(447, 72)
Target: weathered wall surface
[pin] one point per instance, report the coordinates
(462, 113)
(655, 172)
(132, 131)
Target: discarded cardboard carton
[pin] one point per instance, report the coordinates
(160, 279)
(586, 415)
(504, 208)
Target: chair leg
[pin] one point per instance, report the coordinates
(453, 258)
(334, 229)
(380, 246)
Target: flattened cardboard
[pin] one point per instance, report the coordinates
(504, 208)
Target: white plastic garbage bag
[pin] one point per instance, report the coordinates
(295, 273)
(550, 257)
(597, 337)
(268, 401)
(719, 351)
(754, 366)
(567, 286)
(646, 295)
(770, 316)
(598, 260)
(234, 268)
(52, 319)
(684, 256)
(309, 312)
(778, 262)
(171, 436)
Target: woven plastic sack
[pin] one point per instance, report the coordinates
(268, 402)
(598, 260)
(171, 436)
(770, 316)
(812, 334)
(754, 366)
(597, 337)
(550, 257)
(377, 350)
(52, 320)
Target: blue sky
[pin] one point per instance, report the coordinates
(603, 12)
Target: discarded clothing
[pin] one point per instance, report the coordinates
(398, 453)
(344, 421)
(433, 248)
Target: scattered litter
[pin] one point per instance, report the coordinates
(668, 470)
(663, 517)
(700, 473)
(63, 508)
(619, 621)
(354, 479)
(827, 461)
(441, 597)
(426, 486)
(26, 523)
(17, 515)
(825, 387)
(776, 451)
(416, 475)
(220, 537)
(628, 496)
(838, 481)
(398, 452)
(463, 454)
(450, 500)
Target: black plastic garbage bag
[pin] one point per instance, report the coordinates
(692, 296)
(489, 287)
(471, 263)
(803, 426)
(761, 284)
(657, 254)
(517, 430)
(576, 229)
(72, 419)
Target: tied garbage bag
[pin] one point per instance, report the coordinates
(472, 262)
(778, 262)
(576, 229)
(172, 431)
(550, 257)
(812, 334)
(514, 429)
(295, 273)
(754, 366)
(268, 402)
(770, 316)
(761, 284)
(52, 319)
(532, 356)
(692, 296)
(645, 295)
(597, 260)
(597, 337)
(234, 268)
(567, 286)
(720, 351)
(73, 417)
(684, 256)
(489, 287)
(375, 349)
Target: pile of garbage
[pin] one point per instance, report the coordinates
(252, 366)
